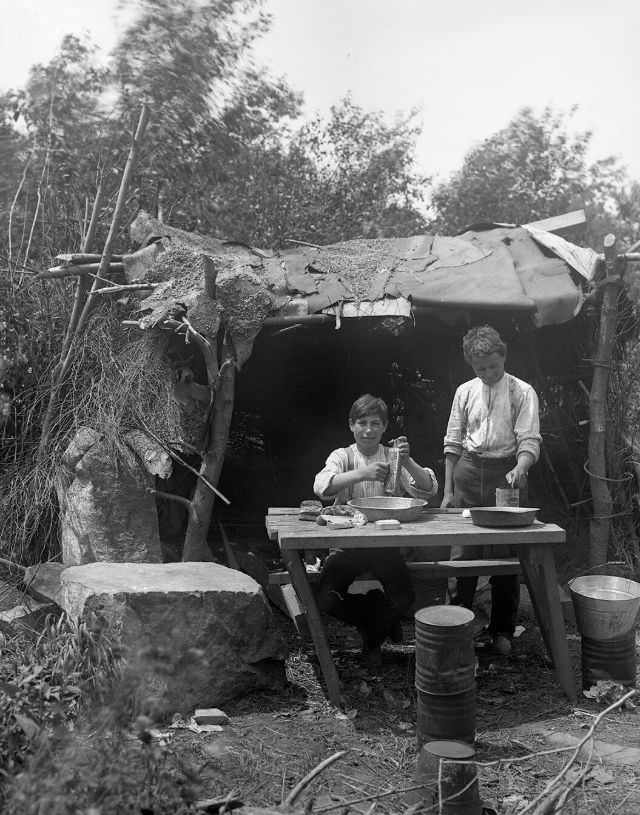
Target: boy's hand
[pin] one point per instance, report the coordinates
(516, 477)
(447, 500)
(402, 444)
(374, 472)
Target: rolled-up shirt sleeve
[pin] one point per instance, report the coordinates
(334, 465)
(527, 425)
(338, 462)
(453, 436)
(409, 485)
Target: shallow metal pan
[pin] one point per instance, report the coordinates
(503, 516)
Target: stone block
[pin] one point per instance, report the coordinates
(212, 715)
(43, 581)
(196, 634)
(107, 510)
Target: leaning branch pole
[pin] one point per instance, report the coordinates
(81, 310)
(602, 503)
(222, 387)
(114, 229)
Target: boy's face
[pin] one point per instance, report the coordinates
(367, 431)
(489, 368)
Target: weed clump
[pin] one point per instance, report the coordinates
(44, 683)
(75, 737)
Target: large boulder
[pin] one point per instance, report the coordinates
(194, 634)
(107, 506)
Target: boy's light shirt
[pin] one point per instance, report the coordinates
(338, 463)
(489, 430)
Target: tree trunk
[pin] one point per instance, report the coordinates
(602, 504)
(219, 424)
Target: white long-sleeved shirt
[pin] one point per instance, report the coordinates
(494, 421)
(338, 462)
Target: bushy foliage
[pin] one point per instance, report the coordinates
(114, 383)
(99, 769)
(534, 168)
(43, 684)
(74, 730)
(350, 176)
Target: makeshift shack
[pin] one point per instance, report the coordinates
(269, 349)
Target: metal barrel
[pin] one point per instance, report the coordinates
(448, 717)
(449, 777)
(609, 659)
(445, 659)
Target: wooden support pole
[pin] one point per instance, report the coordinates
(602, 503)
(84, 257)
(222, 385)
(126, 288)
(76, 269)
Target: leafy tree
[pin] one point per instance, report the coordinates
(369, 186)
(58, 145)
(348, 177)
(534, 168)
(188, 61)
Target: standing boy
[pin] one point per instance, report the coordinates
(493, 438)
(359, 471)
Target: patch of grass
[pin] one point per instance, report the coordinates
(43, 683)
(114, 382)
(74, 735)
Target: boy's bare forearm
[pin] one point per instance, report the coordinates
(341, 481)
(450, 461)
(421, 477)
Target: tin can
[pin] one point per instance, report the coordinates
(609, 659)
(445, 657)
(449, 778)
(507, 497)
(446, 717)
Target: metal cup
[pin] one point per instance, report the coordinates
(507, 497)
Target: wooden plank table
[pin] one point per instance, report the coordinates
(434, 529)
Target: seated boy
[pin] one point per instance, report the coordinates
(359, 471)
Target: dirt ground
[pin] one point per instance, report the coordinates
(274, 739)
(524, 732)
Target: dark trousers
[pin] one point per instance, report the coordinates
(376, 612)
(475, 482)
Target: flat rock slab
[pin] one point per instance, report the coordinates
(43, 580)
(212, 715)
(607, 752)
(196, 634)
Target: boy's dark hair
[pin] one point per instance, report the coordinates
(367, 404)
(482, 341)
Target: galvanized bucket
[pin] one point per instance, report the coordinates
(605, 606)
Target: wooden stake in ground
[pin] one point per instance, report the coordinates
(222, 386)
(597, 465)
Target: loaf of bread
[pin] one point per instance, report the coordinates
(342, 511)
(309, 510)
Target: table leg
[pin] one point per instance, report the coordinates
(540, 576)
(316, 628)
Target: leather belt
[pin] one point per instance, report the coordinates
(487, 459)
